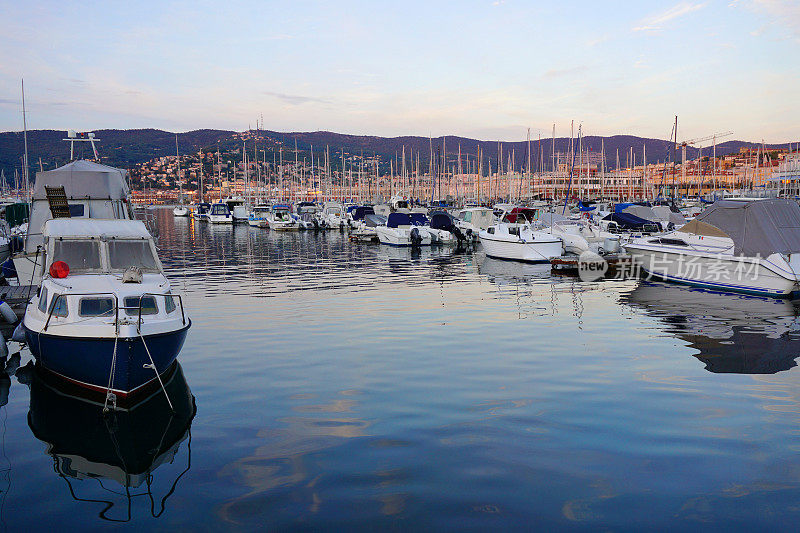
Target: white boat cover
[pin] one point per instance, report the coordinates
(759, 227)
(83, 179)
(77, 228)
(666, 214)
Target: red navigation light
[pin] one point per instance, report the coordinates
(59, 269)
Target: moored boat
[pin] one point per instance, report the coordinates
(520, 242)
(748, 246)
(105, 317)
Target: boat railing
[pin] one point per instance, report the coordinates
(117, 307)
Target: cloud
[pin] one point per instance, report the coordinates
(655, 22)
(295, 99)
(777, 12)
(561, 72)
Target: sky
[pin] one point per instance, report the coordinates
(486, 69)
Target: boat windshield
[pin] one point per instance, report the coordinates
(80, 256)
(127, 253)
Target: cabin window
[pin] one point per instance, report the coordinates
(58, 307)
(43, 300)
(148, 305)
(513, 231)
(468, 216)
(78, 255)
(490, 230)
(126, 253)
(170, 303)
(96, 307)
(76, 210)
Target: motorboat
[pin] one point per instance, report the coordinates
(332, 216)
(306, 215)
(472, 220)
(580, 236)
(201, 211)
(130, 453)
(520, 242)
(180, 211)
(84, 190)
(220, 214)
(237, 208)
(749, 246)
(443, 228)
(280, 218)
(365, 229)
(105, 317)
(401, 231)
(259, 216)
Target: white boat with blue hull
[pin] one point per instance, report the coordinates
(105, 317)
(746, 246)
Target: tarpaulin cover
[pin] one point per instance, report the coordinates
(758, 227)
(362, 211)
(441, 220)
(398, 219)
(627, 221)
(374, 220)
(419, 219)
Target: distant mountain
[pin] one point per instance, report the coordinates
(126, 148)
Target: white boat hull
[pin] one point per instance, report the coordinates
(220, 219)
(529, 252)
(721, 272)
(180, 211)
(401, 236)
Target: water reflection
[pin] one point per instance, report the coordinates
(732, 333)
(125, 446)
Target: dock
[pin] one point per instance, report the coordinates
(619, 265)
(17, 296)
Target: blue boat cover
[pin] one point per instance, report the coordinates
(584, 207)
(398, 219)
(627, 221)
(441, 220)
(418, 219)
(362, 211)
(275, 207)
(351, 208)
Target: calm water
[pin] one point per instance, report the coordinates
(347, 385)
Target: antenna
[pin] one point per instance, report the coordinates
(81, 136)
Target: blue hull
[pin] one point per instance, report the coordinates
(87, 361)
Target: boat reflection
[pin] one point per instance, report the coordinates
(733, 333)
(125, 446)
(513, 272)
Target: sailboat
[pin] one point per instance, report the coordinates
(180, 210)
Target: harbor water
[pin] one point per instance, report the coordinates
(346, 385)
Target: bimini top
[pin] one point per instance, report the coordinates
(396, 220)
(758, 228)
(84, 179)
(95, 228)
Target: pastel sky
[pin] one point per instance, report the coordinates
(487, 69)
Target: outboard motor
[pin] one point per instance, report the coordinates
(460, 237)
(416, 238)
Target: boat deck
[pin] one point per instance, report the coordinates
(17, 296)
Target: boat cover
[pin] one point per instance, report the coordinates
(441, 220)
(372, 220)
(396, 220)
(418, 219)
(758, 227)
(92, 228)
(627, 220)
(666, 214)
(362, 211)
(83, 179)
(642, 212)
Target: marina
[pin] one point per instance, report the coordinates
(411, 414)
(409, 266)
